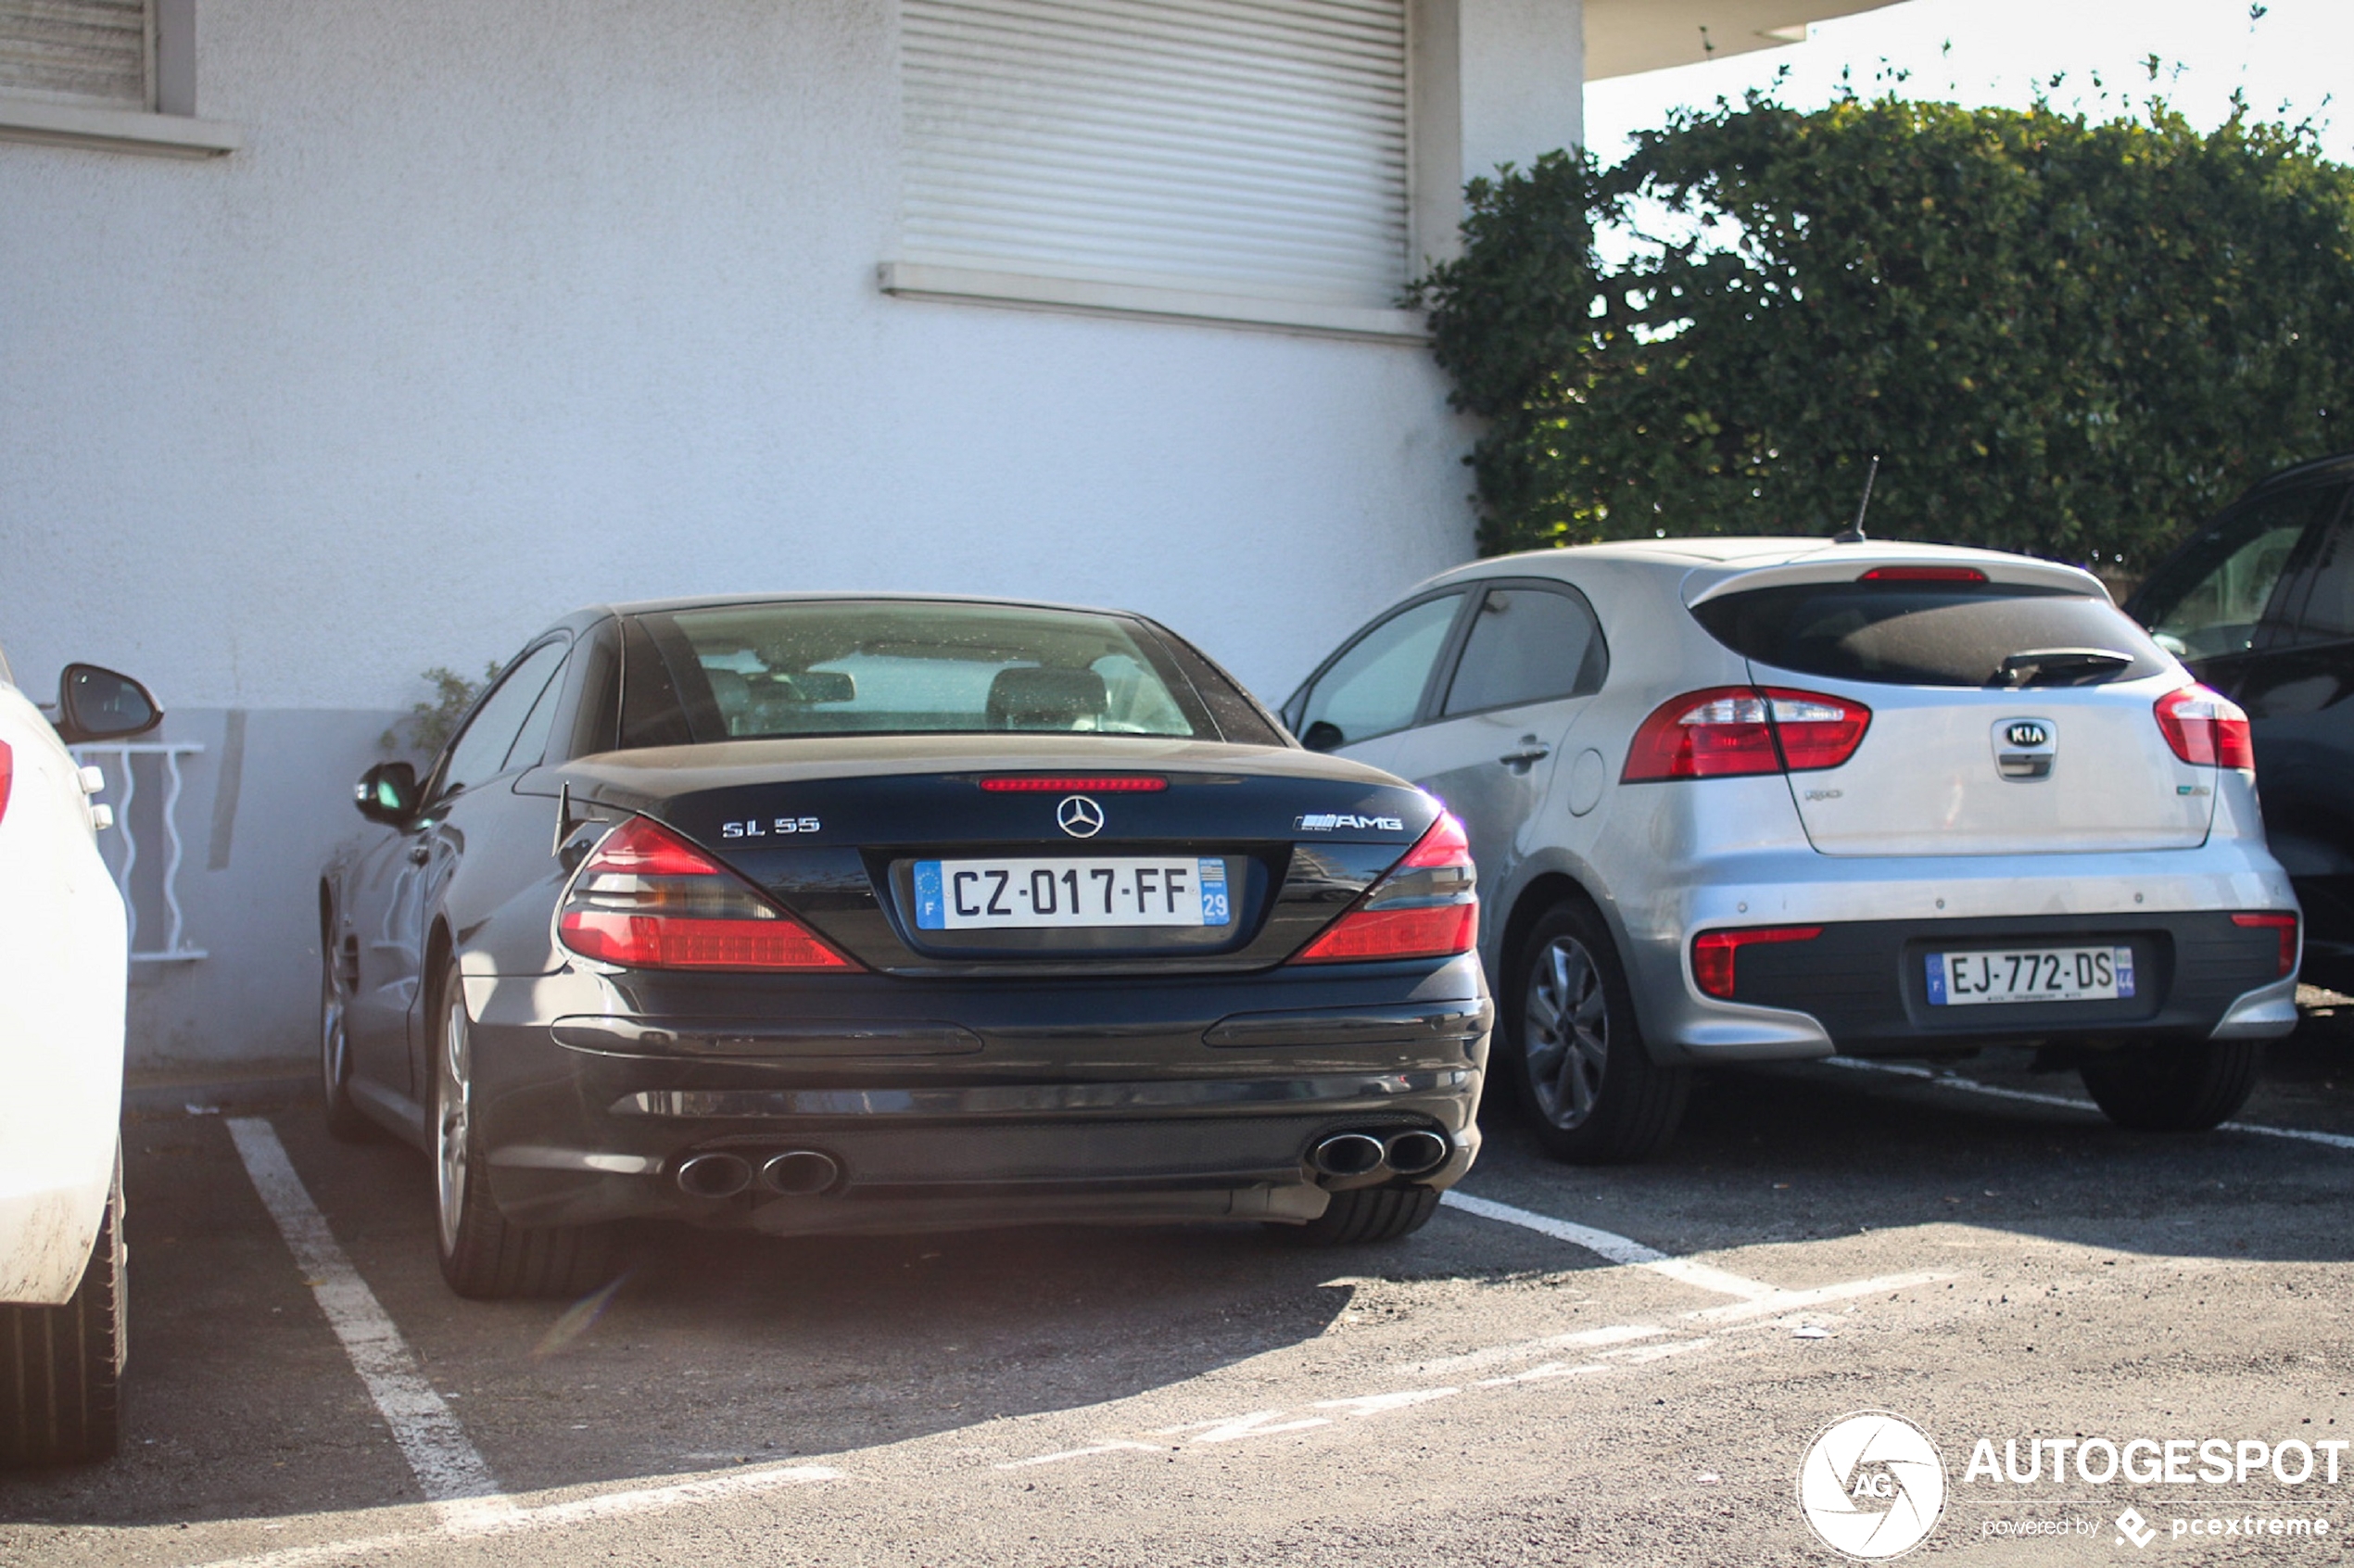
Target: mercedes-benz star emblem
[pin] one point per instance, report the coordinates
(1079, 816)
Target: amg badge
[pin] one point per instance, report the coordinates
(1326, 822)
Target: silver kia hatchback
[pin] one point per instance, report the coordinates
(1740, 800)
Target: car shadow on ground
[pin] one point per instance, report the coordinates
(716, 1349)
(1798, 1152)
(710, 1348)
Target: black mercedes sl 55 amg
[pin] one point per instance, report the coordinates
(817, 914)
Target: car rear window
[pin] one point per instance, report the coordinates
(840, 667)
(1913, 633)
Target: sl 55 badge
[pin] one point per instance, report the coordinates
(774, 827)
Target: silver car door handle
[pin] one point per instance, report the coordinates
(1533, 752)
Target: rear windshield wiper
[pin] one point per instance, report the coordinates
(2059, 666)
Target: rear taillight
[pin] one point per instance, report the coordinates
(2206, 729)
(2286, 924)
(1923, 574)
(7, 775)
(1426, 907)
(1727, 731)
(648, 899)
(1713, 952)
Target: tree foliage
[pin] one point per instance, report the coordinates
(430, 724)
(2066, 337)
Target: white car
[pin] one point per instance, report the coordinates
(63, 967)
(1746, 800)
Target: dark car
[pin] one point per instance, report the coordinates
(827, 913)
(2259, 603)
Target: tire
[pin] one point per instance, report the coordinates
(2174, 1088)
(1364, 1216)
(482, 1256)
(61, 1367)
(1574, 1057)
(345, 1121)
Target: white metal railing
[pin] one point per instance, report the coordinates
(175, 948)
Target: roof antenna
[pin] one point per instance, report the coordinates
(1855, 531)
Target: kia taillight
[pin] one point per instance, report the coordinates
(1713, 952)
(2206, 729)
(1425, 907)
(647, 899)
(1727, 731)
(2285, 924)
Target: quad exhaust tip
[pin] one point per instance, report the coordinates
(1417, 1153)
(793, 1173)
(714, 1175)
(800, 1172)
(1345, 1155)
(1348, 1154)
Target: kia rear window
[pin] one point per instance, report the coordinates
(1915, 632)
(743, 672)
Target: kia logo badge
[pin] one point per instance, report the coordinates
(2026, 732)
(1079, 816)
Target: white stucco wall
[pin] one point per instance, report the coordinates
(512, 305)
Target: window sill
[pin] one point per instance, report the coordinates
(72, 125)
(924, 280)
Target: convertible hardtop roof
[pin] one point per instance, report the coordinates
(728, 601)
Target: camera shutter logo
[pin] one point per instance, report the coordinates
(1871, 1485)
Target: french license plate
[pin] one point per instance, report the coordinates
(959, 895)
(2030, 974)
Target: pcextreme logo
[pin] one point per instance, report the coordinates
(1871, 1485)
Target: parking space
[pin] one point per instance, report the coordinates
(1623, 1364)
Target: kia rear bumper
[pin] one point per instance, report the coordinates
(1860, 987)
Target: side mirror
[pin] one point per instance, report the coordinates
(387, 793)
(1323, 735)
(96, 704)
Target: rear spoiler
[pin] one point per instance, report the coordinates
(1847, 563)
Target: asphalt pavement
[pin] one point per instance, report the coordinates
(1577, 1366)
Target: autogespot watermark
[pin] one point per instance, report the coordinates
(1872, 1485)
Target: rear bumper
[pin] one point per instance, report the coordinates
(955, 1105)
(1867, 984)
(1861, 988)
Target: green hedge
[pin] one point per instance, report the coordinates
(2066, 337)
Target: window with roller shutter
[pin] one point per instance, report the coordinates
(115, 75)
(97, 52)
(1244, 147)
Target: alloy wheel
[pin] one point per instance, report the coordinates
(334, 1040)
(453, 1077)
(1565, 1033)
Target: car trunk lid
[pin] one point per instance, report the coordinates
(2013, 707)
(964, 853)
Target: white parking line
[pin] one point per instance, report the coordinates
(2068, 1102)
(1615, 1248)
(1797, 1300)
(1616, 1333)
(515, 1521)
(1630, 1345)
(447, 1466)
